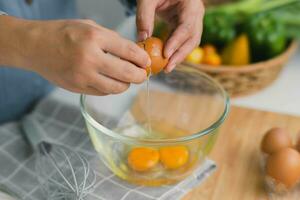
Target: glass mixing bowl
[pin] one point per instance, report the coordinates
(157, 137)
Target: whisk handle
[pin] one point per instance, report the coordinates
(34, 133)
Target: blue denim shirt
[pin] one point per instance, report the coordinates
(19, 89)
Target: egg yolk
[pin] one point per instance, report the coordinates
(143, 158)
(173, 157)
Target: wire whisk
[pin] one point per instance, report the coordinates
(63, 173)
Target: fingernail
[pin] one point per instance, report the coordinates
(148, 62)
(170, 68)
(142, 36)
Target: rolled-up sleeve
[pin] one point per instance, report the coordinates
(130, 5)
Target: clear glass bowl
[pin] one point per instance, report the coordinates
(183, 109)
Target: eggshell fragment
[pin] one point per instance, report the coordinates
(154, 47)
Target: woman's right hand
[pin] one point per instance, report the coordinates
(78, 55)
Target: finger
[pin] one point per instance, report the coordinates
(89, 90)
(88, 21)
(108, 85)
(145, 18)
(126, 50)
(122, 70)
(181, 53)
(182, 33)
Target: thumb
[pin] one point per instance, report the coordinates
(145, 18)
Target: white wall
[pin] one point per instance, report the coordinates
(109, 13)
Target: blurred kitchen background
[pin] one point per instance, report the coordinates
(109, 13)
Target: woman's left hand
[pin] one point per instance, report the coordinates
(184, 16)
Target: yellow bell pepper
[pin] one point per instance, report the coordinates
(196, 56)
(237, 52)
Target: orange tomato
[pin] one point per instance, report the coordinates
(143, 158)
(212, 59)
(173, 157)
(209, 49)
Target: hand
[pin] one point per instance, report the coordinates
(184, 16)
(80, 56)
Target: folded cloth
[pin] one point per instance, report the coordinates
(62, 124)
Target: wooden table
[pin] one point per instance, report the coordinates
(237, 154)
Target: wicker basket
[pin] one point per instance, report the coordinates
(244, 80)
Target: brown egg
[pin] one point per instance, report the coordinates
(274, 140)
(154, 47)
(298, 142)
(284, 167)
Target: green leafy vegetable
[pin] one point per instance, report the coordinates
(286, 12)
(266, 35)
(219, 29)
(269, 24)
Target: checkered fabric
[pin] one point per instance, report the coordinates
(63, 124)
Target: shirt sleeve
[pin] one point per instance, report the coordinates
(130, 6)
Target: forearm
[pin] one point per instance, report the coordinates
(12, 41)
